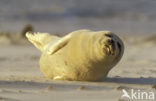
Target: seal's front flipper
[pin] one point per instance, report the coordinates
(40, 40)
(61, 78)
(59, 44)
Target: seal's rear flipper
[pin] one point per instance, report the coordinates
(40, 40)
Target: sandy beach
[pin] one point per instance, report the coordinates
(21, 79)
(132, 20)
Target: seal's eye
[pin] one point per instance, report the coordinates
(108, 35)
(119, 45)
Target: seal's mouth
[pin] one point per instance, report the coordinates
(110, 49)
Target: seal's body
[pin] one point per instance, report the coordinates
(81, 55)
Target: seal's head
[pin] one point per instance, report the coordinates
(109, 46)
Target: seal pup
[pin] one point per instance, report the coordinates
(82, 55)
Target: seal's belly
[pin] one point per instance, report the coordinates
(61, 64)
(58, 65)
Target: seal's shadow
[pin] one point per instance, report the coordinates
(131, 80)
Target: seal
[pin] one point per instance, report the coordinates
(82, 55)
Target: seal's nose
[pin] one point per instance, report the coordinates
(110, 41)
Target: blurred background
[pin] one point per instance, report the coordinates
(127, 17)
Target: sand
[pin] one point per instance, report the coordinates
(21, 79)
